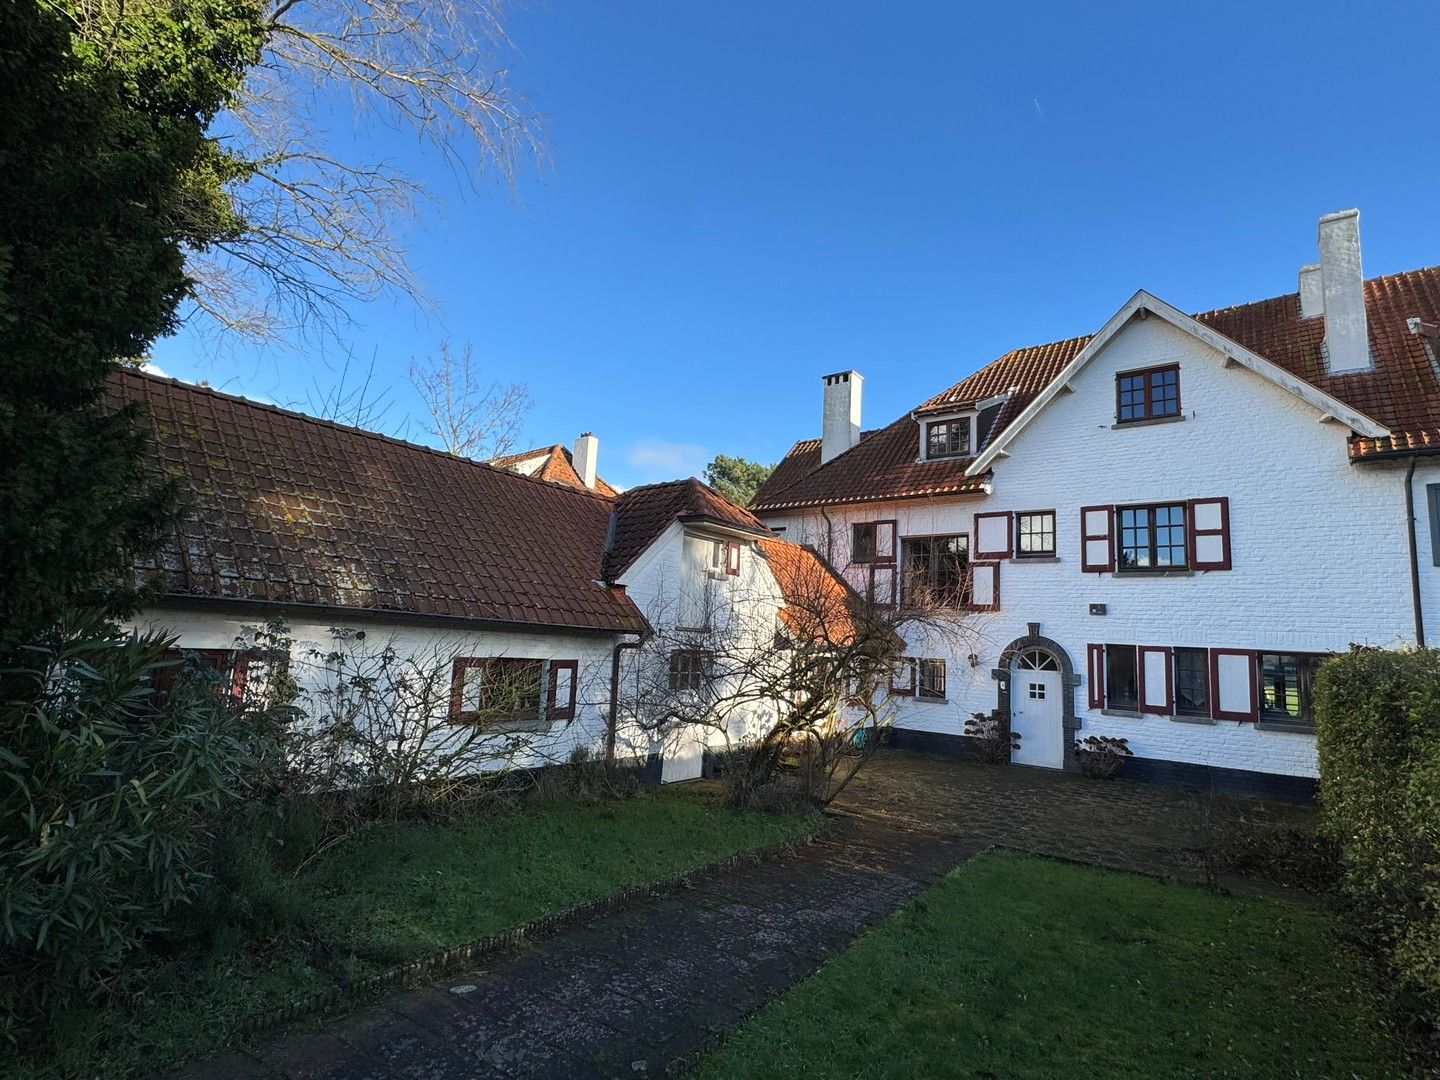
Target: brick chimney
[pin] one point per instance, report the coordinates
(840, 429)
(587, 450)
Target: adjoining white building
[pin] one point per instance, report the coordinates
(1161, 527)
(501, 577)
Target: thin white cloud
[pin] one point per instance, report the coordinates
(657, 459)
(151, 368)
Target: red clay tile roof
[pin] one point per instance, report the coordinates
(820, 604)
(295, 511)
(1402, 392)
(558, 467)
(643, 513)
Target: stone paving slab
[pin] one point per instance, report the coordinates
(631, 993)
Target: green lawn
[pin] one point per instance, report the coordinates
(400, 892)
(1016, 967)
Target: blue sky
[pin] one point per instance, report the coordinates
(743, 197)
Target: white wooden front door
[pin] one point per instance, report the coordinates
(1037, 711)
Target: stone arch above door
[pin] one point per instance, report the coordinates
(1033, 642)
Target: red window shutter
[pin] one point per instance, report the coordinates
(1097, 538)
(560, 700)
(902, 679)
(885, 542)
(1209, 534)
(1156, 676)
(993, 536)
(1095, 674)
(732, 557)
(1234, 693)
(882, 586)
(985, 586)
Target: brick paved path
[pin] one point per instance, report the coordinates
(631, 993)
(1121, 823)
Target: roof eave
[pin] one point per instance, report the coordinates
(1331, 408)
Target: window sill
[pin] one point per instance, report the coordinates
(1177, 572)
(1037, 558)
(1119, 424)
(1182, 718)
(925, 699)
(1293, 726)
(1128, 714)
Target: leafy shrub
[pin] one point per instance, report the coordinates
(1101, 756)
(994, 739)
(109, 798)
(1377, 720)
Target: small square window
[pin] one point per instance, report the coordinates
(932, 680)
(1035, 534)
(1152, 537)
(947, 438)
(689, 669)
(1151, 394)
(1037, 691)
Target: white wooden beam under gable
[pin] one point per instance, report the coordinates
(1331, 409)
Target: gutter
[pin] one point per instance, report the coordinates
(612, 722)
(1414, 555)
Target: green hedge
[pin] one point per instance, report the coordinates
(1377, 716)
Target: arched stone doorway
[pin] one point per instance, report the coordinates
(1042, 667)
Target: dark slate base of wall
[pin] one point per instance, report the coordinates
(1251, 785)
(933, 742)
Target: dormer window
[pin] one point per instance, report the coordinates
(948, 438)
(1149, 394)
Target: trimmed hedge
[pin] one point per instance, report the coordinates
(1377, 717)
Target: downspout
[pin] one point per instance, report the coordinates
(1414, 555)
(829, 537)
(613, 721)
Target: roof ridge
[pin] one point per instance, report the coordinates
(266, 406)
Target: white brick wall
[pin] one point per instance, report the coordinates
(207, 630)
(1318, 545)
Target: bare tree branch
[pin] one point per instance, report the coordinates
(469, 416)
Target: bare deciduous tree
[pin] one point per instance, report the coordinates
(470, 416)
(322, 223)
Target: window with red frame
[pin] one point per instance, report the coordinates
(1151, 394)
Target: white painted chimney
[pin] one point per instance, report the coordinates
(1347, 335)
(1312, 293)
(841, 427)
(587, 450)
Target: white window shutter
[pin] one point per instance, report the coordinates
(1097, 538)
(1157, 693)
(1210, 534)
(1095, 675)
(1232, 684)
(985, 585)
(992, 536)
(882, 586)
(885, 546)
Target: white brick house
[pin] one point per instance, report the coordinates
(1161, 526)
(487, 576)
